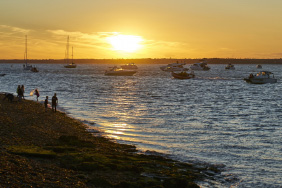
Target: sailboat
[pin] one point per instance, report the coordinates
(26, 66)
(72, 64)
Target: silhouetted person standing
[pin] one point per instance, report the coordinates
(37, 94)
(20, 93)
(54, 102)
(18, 90)
(22, 88)
(46, 103)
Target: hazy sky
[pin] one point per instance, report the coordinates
(164, 28)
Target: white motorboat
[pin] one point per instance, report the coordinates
(200, 66)
(259, 67)
(176, 69)
(262, 77)
(230, 67)
(115, 71)
(175, 65)
(129, 66)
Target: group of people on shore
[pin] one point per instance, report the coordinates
(54, 103)
(20, 95)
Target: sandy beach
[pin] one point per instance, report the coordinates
(47, 149)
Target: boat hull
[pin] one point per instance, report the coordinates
(27, 67)
(182, 77)
(70, 66)
(120, 73)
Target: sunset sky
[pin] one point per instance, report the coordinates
(141, 28)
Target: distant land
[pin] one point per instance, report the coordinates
(147, 61)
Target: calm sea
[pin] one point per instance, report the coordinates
(215, 118)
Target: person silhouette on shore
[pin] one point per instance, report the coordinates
(37, 94)
(20, 93)
(18, 90)
(54, 102)
(46, 103)
(22, 88)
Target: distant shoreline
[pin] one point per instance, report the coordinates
(146, 61)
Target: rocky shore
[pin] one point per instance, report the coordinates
(47, 149)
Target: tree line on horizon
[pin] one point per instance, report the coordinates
(149, 61)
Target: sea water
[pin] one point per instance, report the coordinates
(215, 118)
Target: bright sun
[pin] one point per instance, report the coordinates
(125, 43)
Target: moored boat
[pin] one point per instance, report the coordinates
(259, 67)
(129, 66)
(72, 64)
(115, 71)
(34, 69)
(200, 66)
(171, 66)
(262, 77)
(183, 75)
(26, 66)
(230, 67)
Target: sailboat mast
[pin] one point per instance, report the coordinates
(25, 53)
(67, 55)
(72, 55)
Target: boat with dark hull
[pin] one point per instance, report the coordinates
(34, 69)
(183, 75)
(230, 67)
